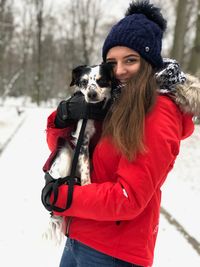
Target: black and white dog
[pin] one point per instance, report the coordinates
(95, 83)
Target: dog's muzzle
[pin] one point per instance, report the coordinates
(92, 93)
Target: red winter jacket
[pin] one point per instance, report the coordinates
(123, 191)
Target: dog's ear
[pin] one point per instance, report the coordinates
(109, 67)
(76, 74)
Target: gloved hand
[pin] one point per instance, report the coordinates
(52, 185)
(76, 108)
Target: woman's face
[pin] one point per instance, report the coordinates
(126, 62)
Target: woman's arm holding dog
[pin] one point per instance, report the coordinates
(137, 181)
(53, 133)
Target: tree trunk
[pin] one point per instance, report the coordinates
(177, 51)
(6, 30)
(194, 63)
(38, 78)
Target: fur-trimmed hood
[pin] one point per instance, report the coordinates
(187, 95)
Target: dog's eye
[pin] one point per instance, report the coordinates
(83, 82)
(103, 82)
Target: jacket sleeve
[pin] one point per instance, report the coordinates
(53, 133)
(137, 181)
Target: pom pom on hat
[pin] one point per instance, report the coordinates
(141, 30)
(150, 11)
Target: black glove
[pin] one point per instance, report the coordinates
(76, 108)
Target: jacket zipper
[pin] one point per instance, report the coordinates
(68, 226)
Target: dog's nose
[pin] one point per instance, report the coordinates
(92, 94)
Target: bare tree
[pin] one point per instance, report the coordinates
(78, 38)
(40, 49)
(194, 63)
(87, 15)
(24, 40)
(6, 34)
(39, 5)
(177, 51)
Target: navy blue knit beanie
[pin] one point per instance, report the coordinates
(141, 30)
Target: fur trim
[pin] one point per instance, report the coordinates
(187, 95)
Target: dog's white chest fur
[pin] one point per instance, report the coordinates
(61, 167)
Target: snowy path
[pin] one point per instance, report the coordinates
(23, 218)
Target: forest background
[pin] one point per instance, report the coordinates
(41, 41)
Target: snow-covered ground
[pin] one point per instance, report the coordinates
(23, 218)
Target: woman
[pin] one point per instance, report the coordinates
(114, 220)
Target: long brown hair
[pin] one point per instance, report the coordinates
(125, 120)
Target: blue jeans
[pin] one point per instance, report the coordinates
(76, 254)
